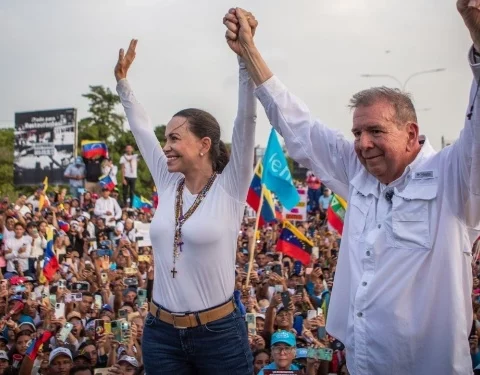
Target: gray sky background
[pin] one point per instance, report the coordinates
(52, 50)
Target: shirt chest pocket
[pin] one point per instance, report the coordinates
(413, 212)
(358, 214)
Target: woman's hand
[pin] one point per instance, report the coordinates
(125, 60)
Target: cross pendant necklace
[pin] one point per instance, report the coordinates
(180, 218)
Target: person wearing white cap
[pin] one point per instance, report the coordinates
(60, 361)
(126, 365)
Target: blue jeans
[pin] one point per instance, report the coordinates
(220, 347)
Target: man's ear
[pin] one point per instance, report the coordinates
(413, 135)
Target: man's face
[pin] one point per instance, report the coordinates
(261, 260)
(105, 193)
(283, 355)
(86, 304)
(22, 199)
(61, 365)
(293, 281)
(129, 297)
(129, 150)
(19, 231)
(382, 145)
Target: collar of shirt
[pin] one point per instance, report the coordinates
(367, 184)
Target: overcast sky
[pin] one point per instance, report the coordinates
(52, 50)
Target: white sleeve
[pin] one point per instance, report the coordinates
(27, 252)
(117, 210)
(147, 141)
(309, 142)
(237, 175)
(122, 160)
(99, 210)
(462, 160)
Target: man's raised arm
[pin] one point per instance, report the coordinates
(308, 141)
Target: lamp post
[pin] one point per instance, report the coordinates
(404, 84)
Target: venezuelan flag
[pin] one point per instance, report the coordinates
(294, 244)
(35, 345)
(63, 225)
(94, 150)
(268, 212)
(50, 263)
(106, 182)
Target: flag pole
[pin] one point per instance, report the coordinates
(254, 242)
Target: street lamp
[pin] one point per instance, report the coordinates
(404, 84)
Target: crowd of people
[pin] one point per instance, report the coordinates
(106, 278)
(82, 292)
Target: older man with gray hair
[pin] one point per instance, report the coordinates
(401, 303)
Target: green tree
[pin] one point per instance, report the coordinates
(6, 162)
(103, 123)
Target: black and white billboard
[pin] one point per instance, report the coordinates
(45, 144)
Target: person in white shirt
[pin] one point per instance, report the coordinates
(194, 327)
(17, 252)
(38, 243)
(402, 297)
(107, 208)
(129, 163)
(325, 199)
(21, 205)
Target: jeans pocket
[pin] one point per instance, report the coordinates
(222, 325)
(149, 320)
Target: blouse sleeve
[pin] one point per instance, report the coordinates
(237, 175)
(147, 141)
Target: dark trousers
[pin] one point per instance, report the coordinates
(313, 197)
(129, 186)
(219, 347)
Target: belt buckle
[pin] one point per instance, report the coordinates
(174, 315)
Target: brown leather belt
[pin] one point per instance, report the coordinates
(189, 320)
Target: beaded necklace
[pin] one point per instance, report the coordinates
(180, 218)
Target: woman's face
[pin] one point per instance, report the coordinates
(43, 227)
(261, 360)
(183, 148)
(22, 343)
